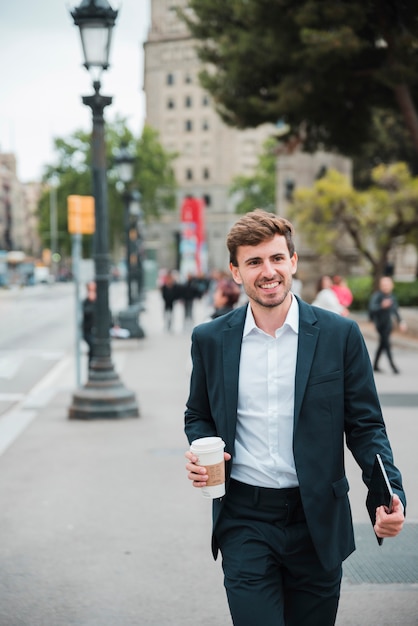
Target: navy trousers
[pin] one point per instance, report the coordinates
(272, 574)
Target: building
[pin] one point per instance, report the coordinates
(18, 209)
(210, 153)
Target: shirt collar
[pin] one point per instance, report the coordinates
(292, 318)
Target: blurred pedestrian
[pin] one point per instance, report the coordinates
(225, 297)
(383, 309)
(342, 291)
(327, 299)
(169, 293)
(189, 291)
(89, 312)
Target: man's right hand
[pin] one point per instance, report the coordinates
(197, 473)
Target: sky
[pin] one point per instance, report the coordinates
(43, 78)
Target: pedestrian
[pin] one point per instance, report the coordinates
(169, 293)
(326, 298)
(89, 312)
(283, 384)
(383, 308)
(225, 297)
(342, 291)
(189, 291)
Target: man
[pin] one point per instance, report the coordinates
(383, 307)
(282, 383)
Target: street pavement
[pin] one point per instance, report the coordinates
(99, 525)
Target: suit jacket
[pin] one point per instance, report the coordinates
(335, 398)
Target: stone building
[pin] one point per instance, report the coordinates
(18, 208)
(210, 153)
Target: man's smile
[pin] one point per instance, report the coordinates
(268, 286)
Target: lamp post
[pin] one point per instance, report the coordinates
(129, 318)
(124, 162)
(104, 395)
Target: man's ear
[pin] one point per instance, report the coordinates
(235, 273)
(294, 260)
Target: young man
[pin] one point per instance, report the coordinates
(283, 383)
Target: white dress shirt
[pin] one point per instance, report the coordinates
(264, 435)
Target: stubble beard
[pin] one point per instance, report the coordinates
(272, 304)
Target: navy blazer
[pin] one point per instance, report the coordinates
(335, 398)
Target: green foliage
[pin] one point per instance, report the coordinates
(323, 68)
(258, 190)
(389, 142)
(361, 288)
(376, 220)
(71, 175)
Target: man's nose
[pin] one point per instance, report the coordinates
(268, 269)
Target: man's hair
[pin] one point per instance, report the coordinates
(254, 228)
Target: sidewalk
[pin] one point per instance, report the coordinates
(99, 525)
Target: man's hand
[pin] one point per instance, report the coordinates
(389, 524)
(197, 473)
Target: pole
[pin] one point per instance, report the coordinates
(76, 255)
(126, 200)
(53, 225)
(104, 395)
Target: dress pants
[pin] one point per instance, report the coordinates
(272, 574)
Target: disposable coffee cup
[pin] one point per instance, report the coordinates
(210, 454)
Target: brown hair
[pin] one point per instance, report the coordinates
(254, 228)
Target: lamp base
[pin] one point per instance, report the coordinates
(103, 397)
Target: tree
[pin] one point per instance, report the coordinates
(71, 174)
(322, 67)
(258, 190)
(377, 220)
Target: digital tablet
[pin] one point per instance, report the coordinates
(380, 492)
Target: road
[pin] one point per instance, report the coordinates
(37, 334)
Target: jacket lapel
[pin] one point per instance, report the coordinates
(308, 337)
(231, 350)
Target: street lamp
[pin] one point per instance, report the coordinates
(137, 223)
(104, 395)
(124, 162)
(129, 319)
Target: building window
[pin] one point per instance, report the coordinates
(205, 101)
(188, 126)
(170, 79)
(188, 79)
(188, 102)
(205, 125)
(189, 174)
(207, 199)
(206, 174)
(171, 103)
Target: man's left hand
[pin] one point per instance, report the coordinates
(389, 524)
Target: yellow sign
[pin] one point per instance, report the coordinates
(81, 215)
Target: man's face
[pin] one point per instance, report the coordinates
(386, 285)
(265, 271)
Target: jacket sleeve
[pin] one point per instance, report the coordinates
(198, 418)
